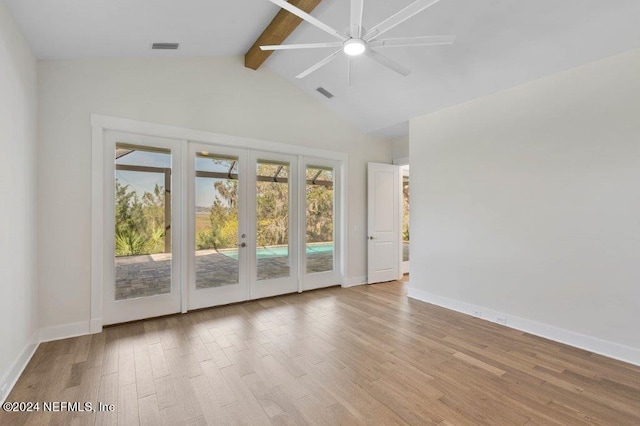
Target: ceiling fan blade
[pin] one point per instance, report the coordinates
(310, 19)
(357, 8)
(319, 65)
(301, 46)
(414, 41)
(387, 62)
(397, 19)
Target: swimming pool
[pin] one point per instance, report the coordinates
(282, 251)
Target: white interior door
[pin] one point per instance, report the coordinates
(383, 223)
(142, 227)
(218, 240)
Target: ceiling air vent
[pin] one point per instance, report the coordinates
(325, 92)
(165, 46)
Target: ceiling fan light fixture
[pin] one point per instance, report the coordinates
(356, 41)
(354, 47)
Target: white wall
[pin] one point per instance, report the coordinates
(400, 147)
(211, 94)
(18, 204)
(529, 202)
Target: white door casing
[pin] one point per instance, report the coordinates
(383, 223)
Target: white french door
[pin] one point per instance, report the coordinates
(218, 237)
(319, 222)
(242, 223)
(142, 227)
(192, 225)
(273, 221)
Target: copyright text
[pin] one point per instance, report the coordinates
(55, 406)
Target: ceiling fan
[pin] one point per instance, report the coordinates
(359, 41)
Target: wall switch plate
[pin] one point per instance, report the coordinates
(501, 320)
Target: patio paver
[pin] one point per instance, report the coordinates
(149, 275)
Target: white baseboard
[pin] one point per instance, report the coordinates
(354, 281)
(582, 341)
(65, 331)
(11, 377)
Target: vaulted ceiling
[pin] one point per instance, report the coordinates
(500, 43)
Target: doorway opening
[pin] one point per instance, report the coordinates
(405, 237)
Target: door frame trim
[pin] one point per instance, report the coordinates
(102, 123)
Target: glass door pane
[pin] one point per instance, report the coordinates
(272, 220)
(320, 219)
(216, 221)
(142, 221)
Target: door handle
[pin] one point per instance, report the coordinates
(242, 245)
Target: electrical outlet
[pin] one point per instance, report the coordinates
(501, 320)
(477, 314)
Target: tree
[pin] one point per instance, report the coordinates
(139, 224)
(272, 202)
(319, 213)
(272, 210)
(223, 218)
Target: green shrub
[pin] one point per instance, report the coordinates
(130, 243)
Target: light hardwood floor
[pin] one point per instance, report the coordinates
(365, 355)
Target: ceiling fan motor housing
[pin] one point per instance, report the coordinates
(354, 46)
